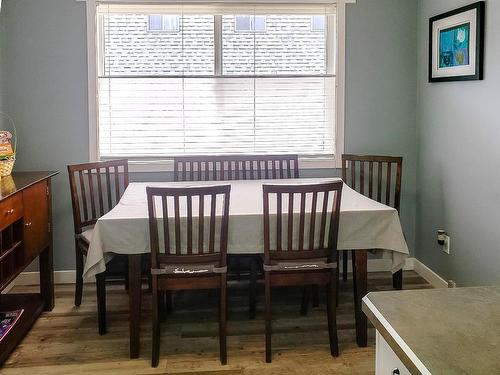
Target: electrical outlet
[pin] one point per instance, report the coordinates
(446, 245)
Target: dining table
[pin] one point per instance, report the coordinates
(364, 225)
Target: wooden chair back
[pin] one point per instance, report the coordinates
(317, 216)
(377, 177)
(194, 225)
(95, 189)
(235, 167)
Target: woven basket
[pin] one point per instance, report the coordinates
(6, 165)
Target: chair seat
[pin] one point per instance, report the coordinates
(300, 265)
(189, 269)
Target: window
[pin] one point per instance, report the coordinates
(162, 22)
(211, 89)
(249, 23)
(318, 23)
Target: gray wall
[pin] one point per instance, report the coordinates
(46, 82)
(459, 160)
(2, 49)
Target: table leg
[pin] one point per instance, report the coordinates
(134, 277)
(360, 281)
(397, 280)
(47, 278)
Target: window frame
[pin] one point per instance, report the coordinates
(163, 30)
(162, 165)
(251, 23)
(316, 30)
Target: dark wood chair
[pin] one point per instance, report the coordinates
(238, 167)
(379, 178)
(95, 189)
(304, 254)
(191, 255)
(235, 167)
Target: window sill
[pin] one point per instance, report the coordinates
(152, 166)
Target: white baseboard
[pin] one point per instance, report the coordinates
(432, 277)
(374, 265)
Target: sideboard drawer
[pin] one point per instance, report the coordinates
(11, 210)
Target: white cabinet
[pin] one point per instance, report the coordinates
(386, 361)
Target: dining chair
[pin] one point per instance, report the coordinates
(300, 244)
(379, 178)
(95, 189)
(238, 167)
(235, 167)
(188, 251)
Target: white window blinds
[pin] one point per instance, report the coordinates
(209, 89)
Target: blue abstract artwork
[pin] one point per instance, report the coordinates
(454, 46)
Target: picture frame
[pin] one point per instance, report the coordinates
(456, 44)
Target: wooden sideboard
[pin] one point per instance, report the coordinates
(25, 234)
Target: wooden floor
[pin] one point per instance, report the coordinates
(65, 341)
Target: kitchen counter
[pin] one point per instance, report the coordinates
(439, 331)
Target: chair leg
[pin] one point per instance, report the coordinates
(169, 301)
(237, 267)
(155, 346)
(331, 307)
(345, 259)
(315, 295)
(126, 275)
(397, 280)
(101, 302)
(222, 321)
(304, 306)
(150, 283)
(268, 316)
(162, 305)
(79, 275)
(252, 293)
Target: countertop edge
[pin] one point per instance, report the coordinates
(47, 175)
(396, 342)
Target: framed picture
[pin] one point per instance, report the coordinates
(456, 44)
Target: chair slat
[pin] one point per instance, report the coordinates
(177, 220)
(189, 224)
(92, 196)
(312, 220)
(278, 222)
(388, 185)
(166, 231)
(302, 219)
(353, 174)
(201, 223)
(117, 183)
(379, 183)
(213, 206)
(99, 193)
(108, 189)
(290, 221)
(362, 177)
(370, 182)
(324, 213)
(83, 196)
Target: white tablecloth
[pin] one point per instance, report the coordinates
(364, 223)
